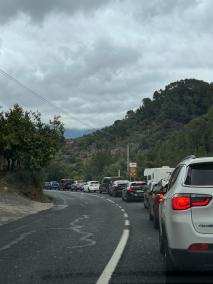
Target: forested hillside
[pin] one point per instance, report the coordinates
(178, 121)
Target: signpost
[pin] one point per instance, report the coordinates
(132, 170)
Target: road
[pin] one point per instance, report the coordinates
(80, 240)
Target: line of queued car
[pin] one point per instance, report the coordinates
(127, 190)
(182, 209)
(65, 185)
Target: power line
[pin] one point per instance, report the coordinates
(8, 76)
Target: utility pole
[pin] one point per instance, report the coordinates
(127, 161)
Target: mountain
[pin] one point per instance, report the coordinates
(155, 132)
(75, 133)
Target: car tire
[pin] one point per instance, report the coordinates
(150, 215)
(114, 193)
(169, 265)
(161, 244)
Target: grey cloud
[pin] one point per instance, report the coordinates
(154, 8)
(96, 68)
(107, 55)
(38, 9)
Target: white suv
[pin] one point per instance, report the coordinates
(186, 215)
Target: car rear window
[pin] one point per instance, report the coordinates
(95, 182)
(139, 185)
(200, 174)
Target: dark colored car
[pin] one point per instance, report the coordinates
(106, 184)
(117, 187)
(51, 185)
(157, 194)
(54, 185)
(66, 184)
(80, 186)
(134, 191)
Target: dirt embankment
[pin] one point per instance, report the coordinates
(14, 206)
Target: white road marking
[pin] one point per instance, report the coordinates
(16, 241)
(126, 223)
(110, 268)
(18, 228)
(110, 200)
(126, 215)
(122, 210)
(87, 236)
(59, 207)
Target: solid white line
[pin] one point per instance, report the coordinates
(110, 268)
(125, 215)
(122, 210)
(126, 223)
(16, 241)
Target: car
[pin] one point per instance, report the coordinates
(47, 185)
(185, 216)
(66, 184)
(117, 187)
(134, 191)
(54, 185)
(80, 186)
(156, 196)
(106, 183)
(92, 186)
(147, 193)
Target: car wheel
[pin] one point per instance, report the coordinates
(150, 215)
(114, 193)
(100, 191)
(161, 246)
(170, 267)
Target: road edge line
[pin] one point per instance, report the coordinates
(113, 262)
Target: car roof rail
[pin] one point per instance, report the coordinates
(188, 157)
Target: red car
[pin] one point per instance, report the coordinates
(158, 192)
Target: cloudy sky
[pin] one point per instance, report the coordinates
(93, 60)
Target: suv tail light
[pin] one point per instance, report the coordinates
(186, 201)
(130, 189)
(199, 247)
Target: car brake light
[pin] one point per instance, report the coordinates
(130, 189)
(200, 199)
(186, 201)
(181, 202)
(198, 247)
(161, 197)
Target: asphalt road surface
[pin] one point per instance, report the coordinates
(85, 238)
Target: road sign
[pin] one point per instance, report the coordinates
(133, 172)
(133, 165)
